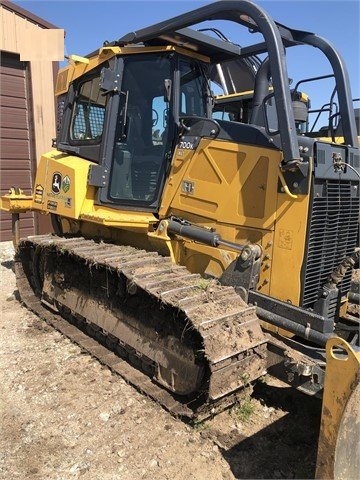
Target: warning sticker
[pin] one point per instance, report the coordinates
(285, 239)
(39, 194)
(51, 205)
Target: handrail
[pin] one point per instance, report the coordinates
(276, 36)
(238, 11)
(342, 83)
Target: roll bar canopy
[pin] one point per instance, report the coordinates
(276, 37)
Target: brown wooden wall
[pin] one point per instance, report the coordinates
(27, 112)
(16, 168)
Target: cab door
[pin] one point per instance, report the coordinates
(143, 130)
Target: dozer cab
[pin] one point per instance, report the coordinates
(202, 252)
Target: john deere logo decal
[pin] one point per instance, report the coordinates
(56, 182)
(65, 184)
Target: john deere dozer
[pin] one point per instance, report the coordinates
(192, 254)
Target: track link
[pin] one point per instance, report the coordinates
(194, 343)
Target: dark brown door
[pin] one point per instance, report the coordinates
(16, 157)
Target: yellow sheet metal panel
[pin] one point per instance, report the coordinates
(338, 450)
(61, 184)
(289, 247)
(226, 182)
(111, 217)
(204, 259)
(232, 188)
(236, 189)
(61, 188)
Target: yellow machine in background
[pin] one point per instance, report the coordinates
(237, 107)
(202, 251)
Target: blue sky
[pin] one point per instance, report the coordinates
(89, 23)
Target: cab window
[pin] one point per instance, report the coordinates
(193, 89)
(88, 114)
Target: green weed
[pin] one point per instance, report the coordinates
(203, 284)
(245, 410)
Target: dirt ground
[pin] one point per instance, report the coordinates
(65, 416)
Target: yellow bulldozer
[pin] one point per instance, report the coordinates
(191, 254)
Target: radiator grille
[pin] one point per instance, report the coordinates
(332, 235)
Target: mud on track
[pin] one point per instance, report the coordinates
(64, 416)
